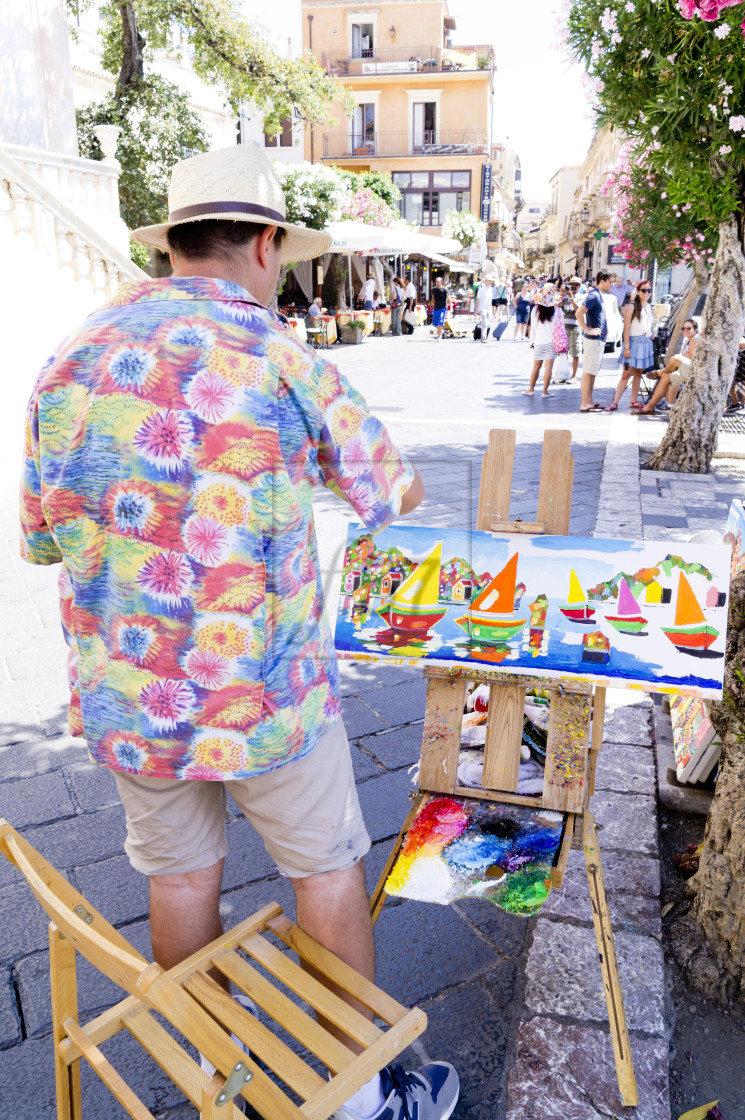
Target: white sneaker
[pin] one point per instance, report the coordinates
(207, 1066)
(430, 1093)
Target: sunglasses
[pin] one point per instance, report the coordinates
(644, 289)
(688, 328)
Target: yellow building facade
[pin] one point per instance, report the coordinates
(423, 105)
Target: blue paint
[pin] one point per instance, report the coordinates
(475, 851)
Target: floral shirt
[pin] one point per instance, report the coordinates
(172, 447)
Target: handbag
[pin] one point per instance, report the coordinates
(559, 339)
(409, 317)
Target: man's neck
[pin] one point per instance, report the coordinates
(214, 268)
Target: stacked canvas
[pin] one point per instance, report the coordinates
(695, 743)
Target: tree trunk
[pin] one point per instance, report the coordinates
(719, 883)
(699, 280)
(691, 437)
(133, 62)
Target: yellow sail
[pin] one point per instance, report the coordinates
(423, 585)
(576, 594)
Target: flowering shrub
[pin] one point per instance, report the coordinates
(651, 217)
(464, 227)
(314, 193)
(365, 206)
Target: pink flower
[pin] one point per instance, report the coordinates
(165, 440)
(167, 703)
(688, 8)
(208, 669)
(737, 124)
(207, 540)
(210, 396)
(166, 577)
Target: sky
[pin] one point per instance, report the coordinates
(539, 100)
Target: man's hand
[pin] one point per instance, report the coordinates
(414, 496)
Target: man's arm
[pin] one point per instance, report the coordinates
(582, 316)
(415, 495)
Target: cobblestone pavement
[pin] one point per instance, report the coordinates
(515, 1004)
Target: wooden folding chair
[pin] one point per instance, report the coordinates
(205, 1015)
(575, 729)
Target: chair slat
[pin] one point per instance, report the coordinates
(297, 1022)
(320, 998)
(341, 1087)
(103, 1068)
(438, 769)
(383, 1005)
(504, 731)
(171, 1057)
(262, 1043)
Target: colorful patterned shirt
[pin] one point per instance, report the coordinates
(172, 447)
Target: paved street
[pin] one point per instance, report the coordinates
(515, 1004)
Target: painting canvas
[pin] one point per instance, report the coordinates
(465, 848)
(647, 615)
(734, 535)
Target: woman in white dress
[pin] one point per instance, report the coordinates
(543, 319)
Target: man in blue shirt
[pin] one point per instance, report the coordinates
(594, 326)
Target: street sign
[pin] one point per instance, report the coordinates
(477, 254)
(486, 185)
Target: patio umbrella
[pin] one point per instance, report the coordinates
(353, 237)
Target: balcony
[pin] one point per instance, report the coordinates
(382, 145)
(406, 60)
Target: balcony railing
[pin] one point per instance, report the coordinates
(451, 142)
(405, 60)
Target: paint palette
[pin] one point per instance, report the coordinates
(467, 848)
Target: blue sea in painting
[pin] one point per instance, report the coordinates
(548, 642)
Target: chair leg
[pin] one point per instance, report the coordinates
(619, 1031)
(62, 975)
(209, 1109)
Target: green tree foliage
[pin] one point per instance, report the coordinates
(158, 129)
(675, 84)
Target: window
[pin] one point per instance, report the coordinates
(425, 123)
(362, 40)
(284, 140)
(428, 196)
(363, 134)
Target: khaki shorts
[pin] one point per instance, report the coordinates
(680, 375)
(593, 353)
(307, 813)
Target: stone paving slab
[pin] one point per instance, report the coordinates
(563, 976)
(564, 1072)
(625, 821)
(625, 768)
(632, 884)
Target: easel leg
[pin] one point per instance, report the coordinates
(619, 1031)
(378, 897)
(62, 975)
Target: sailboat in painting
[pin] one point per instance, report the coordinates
(577, 609)
(413, 608)
(628, 619)
(491, 618)
(691, 632)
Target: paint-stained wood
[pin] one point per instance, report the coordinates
(496, 478)
(559, 869)
(498, 795)
(596, 739)
(619, 1030)
(503, 737)
(441, 733)
(555, 489)
(378, 896)
(497, 676)
(565, 776)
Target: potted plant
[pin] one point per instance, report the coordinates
(352, 332)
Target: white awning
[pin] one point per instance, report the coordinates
(454, 266)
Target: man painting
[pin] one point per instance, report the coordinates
(172, 447)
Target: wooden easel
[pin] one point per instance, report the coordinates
(575, 729)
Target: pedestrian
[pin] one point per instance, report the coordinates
(594, 325)
(367, 293)
(440, 306)
(410, 306)
(544, 318)
(190, 424)
(570, 303)
(675, 373)
(397, 302)
(315, 311)
(638, 349)
(522, 306)
(621, 289)
(483, 305)
(499, 300)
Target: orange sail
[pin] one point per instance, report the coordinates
(498, 597)
(687, 608)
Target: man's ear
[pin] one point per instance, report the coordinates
(263, 245)
(172, 258)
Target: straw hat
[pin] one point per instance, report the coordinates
(575, 280)
(232, 184)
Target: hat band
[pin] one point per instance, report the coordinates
(225, 208)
